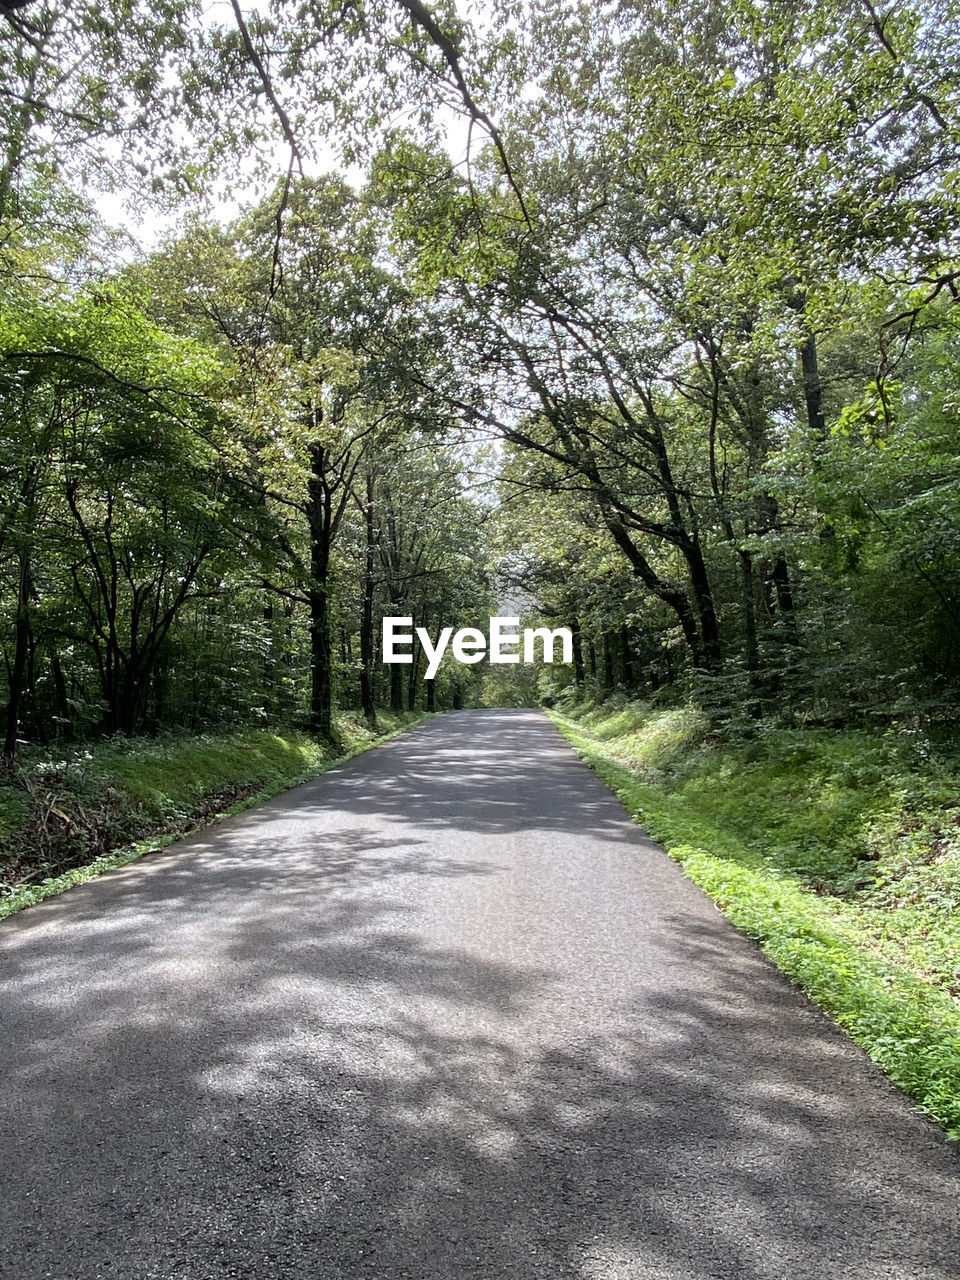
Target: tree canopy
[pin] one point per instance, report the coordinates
(635, 319)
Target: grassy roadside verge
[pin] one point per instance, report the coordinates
(839, 853)
(71, 815)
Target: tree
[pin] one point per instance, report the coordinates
(120, 510)
(645, 304)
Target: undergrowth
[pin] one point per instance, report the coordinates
(839, 852)
(68, 815)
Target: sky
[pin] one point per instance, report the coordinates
(147, 226)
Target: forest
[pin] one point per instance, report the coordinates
(640, 317)
(636, 319)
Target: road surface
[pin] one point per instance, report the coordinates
(443, 1013)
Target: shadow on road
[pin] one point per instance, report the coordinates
(318, 1091)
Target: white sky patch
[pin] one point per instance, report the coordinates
(147, 225)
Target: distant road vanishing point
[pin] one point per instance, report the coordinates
(444, 1013)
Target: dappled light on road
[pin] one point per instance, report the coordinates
(442, 1013)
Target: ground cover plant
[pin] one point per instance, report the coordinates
(70, 814)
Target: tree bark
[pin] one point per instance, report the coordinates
(675, 597)
(608, 663)
(320, 520)
(626, 658)
(748, 588)
(412, 673)
(18, 669)
(785, 601)
(578, 672)
(396, 689)
(366, 615)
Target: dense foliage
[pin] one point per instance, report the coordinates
(668, 357)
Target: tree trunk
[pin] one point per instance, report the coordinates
(608, 667)
(269, 656)
(321, 684)
(578, 672)
(65, 723)
(366, 615)
(18, 669)
(320, 520)
(675, 597)
(396, 689)
(813, 389)
(626, 658)
(703, 598)
(413, 672)
(127, 713)
(813, 399)
(785, 603)
(710, 656)
(752, 651)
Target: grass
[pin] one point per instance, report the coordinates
(838, 852)
(70, 816)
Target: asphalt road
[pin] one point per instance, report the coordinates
(446, 1014)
